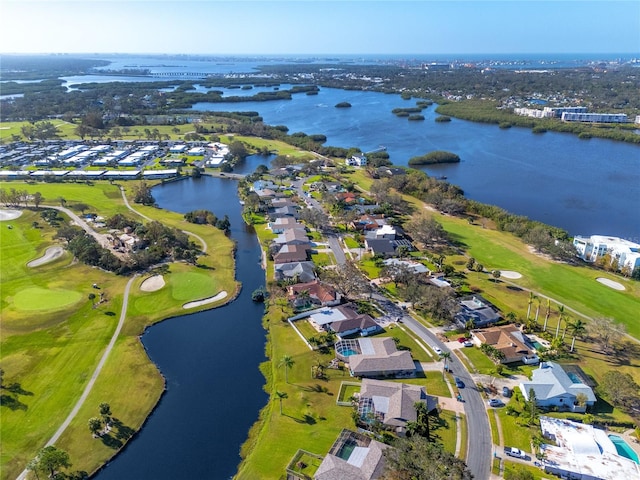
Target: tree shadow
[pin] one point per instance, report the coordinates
(111, 442)
(12, 403)
(205, 267)
(123, 431)
(110, 314)
(17, 389)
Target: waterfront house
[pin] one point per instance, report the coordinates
(293, 236)
(391, 403)
(314, 293)
(298, 271)
(553, 387)
(594, 248)
(375, 357)
(353, 456)
(292, 253)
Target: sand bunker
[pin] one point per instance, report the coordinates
(610, 283)
(51, 254)
(9, 214)
(152, 284)
(197, 303)
(510, 274)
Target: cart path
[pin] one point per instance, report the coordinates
(94, 377)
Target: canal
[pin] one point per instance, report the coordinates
(210, 361)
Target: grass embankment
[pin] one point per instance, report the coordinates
(49, 353)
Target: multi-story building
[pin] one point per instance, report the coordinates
(593, 248)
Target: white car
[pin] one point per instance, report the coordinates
(438, 350)
(515, 452)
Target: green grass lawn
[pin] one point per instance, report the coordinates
(479, 360)
(347, 391)
(514, 434)
(37, 298)
(444, 430)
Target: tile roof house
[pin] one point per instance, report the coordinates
(319, 293)
(553, 387)
(393, 403)
(509, 340)
(375, 357)
(353, 456)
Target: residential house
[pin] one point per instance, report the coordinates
(375, 357)
(369, 222)
(356, 161)
(281, 212)
(362, 324)
(296, 271)
(415, 267)
(390, 171)
(280, 224)
(477, 310)
(579, 451)
(292, 253)
(317, 294)
(510, 341)
(391, 403)
(353, 456)
(553, 387)
(292, 236)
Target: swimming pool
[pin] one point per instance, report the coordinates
(574, 378)
(348, 352)
(623, 448)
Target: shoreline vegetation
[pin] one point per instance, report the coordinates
(431, 158)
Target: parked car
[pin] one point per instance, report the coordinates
(494, 402)
(514, 452)
(462, 339)
(506, 392)
(468, 343)
(438, 350)
(459, 383)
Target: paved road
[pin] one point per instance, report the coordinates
(479, 443)
(94, 377)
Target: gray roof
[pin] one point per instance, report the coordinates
(394, 401)
(366, 461)
(551, 381)
(303, 270)
(380, 357)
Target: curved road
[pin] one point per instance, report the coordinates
(96, 372)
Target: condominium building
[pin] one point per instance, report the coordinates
(592, 248)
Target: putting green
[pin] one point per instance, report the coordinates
(192, 285)
(36, 298)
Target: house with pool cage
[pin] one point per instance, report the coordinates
(391, 403)
(353, 456)
(375, 357)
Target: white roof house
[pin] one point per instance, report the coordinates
(553, 387)
(177, 148)
(583, 451)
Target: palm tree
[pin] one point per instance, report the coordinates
(537, 308)
(532, 297)
(546, 315)
(577, 329)
(287, 362)
(561, 317)
(446, 356)
(511, 316)
(95, 424)
(281, 396)
(105, 411)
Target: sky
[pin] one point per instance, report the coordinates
(265, 27)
